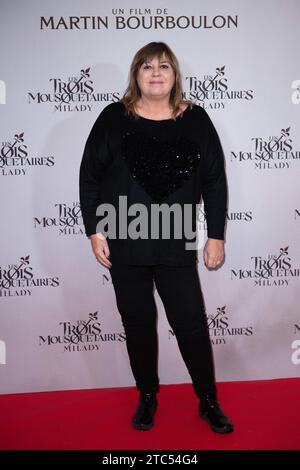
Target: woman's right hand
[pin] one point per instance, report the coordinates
(100, 249)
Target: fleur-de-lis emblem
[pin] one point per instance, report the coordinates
(284, 251)
(286, 132)
(85, 73)
(220, 70)
(25, 260)
(221, 310)
(19, 138)
(93, 316)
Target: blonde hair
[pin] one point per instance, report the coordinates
(133, 93)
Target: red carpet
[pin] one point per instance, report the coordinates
(266, 415)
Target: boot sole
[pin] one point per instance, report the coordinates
(143, 427)
(214, 428)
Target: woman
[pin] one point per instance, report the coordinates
(154, 149)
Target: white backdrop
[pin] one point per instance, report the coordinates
(61, 63)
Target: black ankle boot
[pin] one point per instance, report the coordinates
(210, 410)
(143, 417)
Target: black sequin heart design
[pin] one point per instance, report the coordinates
(159, 166)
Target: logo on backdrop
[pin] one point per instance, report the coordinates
(274, 270)
(74, 94)
(82, 335)
(68, 220)
(271, 153)
(213, 90)
(246, 216)
(220, 328)
(16, 159)
(19, 280)
(139, 19)
(295, 357)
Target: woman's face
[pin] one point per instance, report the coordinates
(156, 78)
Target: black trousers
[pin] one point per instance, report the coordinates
(180, 291)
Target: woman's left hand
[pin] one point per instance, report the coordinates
(213, 252)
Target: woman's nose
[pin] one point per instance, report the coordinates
(155, 71)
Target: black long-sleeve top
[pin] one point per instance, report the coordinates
(153, 162)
